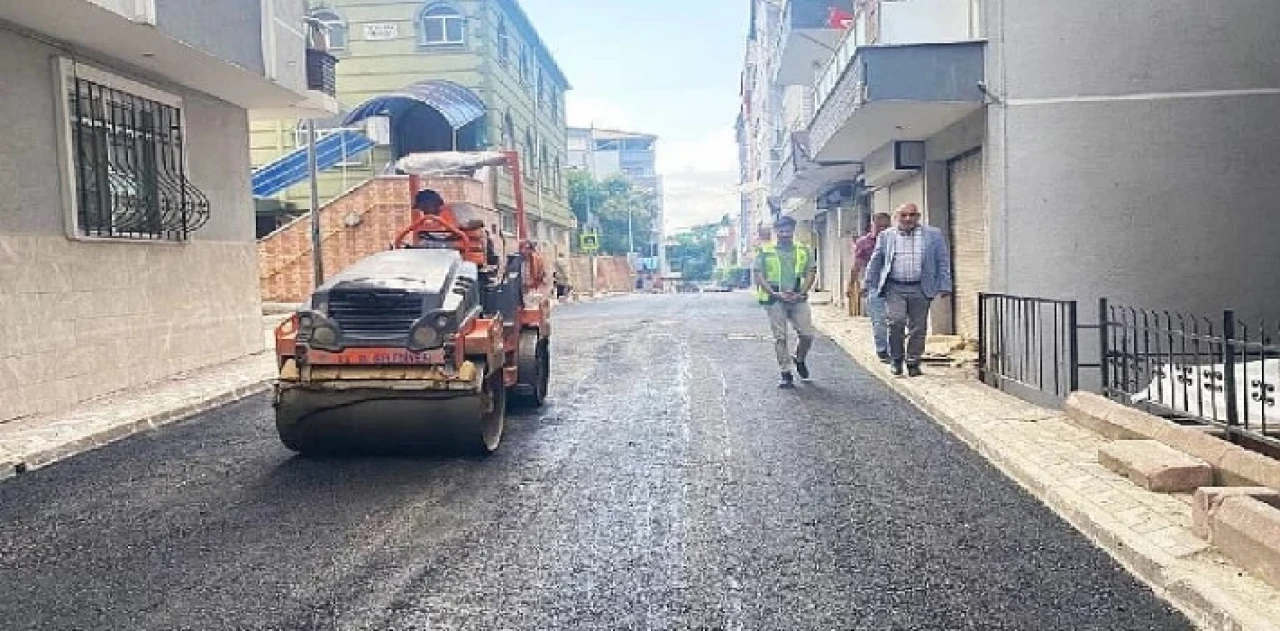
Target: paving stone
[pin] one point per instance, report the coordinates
(1247, 530)
(1208, 499)
(1156, 466)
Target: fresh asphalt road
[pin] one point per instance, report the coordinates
(667, 485)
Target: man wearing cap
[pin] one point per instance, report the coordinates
(784, 273)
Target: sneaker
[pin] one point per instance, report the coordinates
(801, 369)
(884, 358)
(897, 367)
(913, 370)
(787, 381)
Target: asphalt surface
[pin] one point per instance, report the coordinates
(667, 485)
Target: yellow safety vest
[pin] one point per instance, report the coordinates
(773, 268)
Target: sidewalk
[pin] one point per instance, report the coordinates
(1148, 533)
(38, 441)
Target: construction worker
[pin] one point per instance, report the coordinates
(785, 271)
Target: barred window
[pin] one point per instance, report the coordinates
(128, 164)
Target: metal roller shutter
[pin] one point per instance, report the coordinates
(968, 238)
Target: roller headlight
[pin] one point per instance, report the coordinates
(425, 337)
(324, 336)
(441, 322)
(318, 331)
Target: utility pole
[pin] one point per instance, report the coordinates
(591, 218)
(317, 257)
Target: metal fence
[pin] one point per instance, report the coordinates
(1220, 371)
(1032, 343)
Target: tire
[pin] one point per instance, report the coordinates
(534, 370)
(492, 420)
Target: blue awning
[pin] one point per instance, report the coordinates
(456, 103)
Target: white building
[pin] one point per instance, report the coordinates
(127, 248)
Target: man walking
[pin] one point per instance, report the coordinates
(784, 273)
(909, 268)
(862, 251)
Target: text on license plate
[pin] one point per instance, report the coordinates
(376, 356)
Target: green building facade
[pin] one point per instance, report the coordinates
(484, 52)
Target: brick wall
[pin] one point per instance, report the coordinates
(362, 221)
(613, 274)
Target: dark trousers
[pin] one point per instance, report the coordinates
(907, 309)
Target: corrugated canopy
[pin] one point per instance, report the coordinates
(456, 103)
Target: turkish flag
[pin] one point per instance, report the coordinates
(838, 18)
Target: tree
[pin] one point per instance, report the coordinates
(694, 253)
(623, 211)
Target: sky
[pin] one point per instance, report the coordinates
(664, 67)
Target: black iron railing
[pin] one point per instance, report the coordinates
(1215, 371)
(129, 166)
(1029, 342)
(1219, 371)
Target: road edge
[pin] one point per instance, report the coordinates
(42, 458)
(1204, 604)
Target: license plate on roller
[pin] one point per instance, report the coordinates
(377, 357)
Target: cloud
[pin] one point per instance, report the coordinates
(586, 111)
(695, 198)
(700, 178)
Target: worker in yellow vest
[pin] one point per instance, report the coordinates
(784, 273)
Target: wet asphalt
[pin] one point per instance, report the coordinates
(667, 485)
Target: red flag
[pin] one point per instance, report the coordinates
(838, 18)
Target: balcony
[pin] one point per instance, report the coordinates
(887, 93)
(246, 52)
(907, 76)
(800, 177)
(806, 39)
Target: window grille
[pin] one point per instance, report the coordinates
(129, 166)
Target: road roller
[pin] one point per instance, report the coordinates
(424, 346)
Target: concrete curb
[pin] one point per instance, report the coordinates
(1233, 465)
(8, 466)
(81, 444)
(1205, 603)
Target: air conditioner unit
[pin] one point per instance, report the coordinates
(908, 155)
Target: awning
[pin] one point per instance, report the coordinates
(458, 104)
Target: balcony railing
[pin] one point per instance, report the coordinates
(911, 22)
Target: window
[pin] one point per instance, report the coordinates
(530, 148)
(543, 166)
(504, 43)
(525, 68)
(542, 89)
(555, 105)
(508, 132)
(127, 160)
(441, 25)
(335, 26)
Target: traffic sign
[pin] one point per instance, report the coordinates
(589, 242)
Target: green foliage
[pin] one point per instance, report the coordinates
(614, 203)
(693, 254)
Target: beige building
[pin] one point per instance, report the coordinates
(437, 76)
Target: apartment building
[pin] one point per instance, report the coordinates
(126, 228)
(607, 152)
(434, 75)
